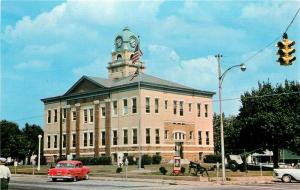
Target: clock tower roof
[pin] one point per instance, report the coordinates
(126, 40)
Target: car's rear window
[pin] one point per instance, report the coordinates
(65, 165)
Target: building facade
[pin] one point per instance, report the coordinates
(128, 113)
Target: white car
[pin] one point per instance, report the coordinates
(287, 174)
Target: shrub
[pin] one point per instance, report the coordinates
(182, 170)
(163, 170)
(130, 160)
(212, 159)
(146, 159)
(103, 160)
(156, 159)
(119, 170)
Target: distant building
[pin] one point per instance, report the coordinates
(113, 117)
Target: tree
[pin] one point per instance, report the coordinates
(270, 118)
(30, 134)
(11, 140)
(231, 134)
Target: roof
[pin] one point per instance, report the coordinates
(146, 81)
(130, 79)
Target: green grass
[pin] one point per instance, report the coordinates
(133, 171)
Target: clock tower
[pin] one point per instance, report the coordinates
(121, 65)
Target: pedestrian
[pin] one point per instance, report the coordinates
(4, 174)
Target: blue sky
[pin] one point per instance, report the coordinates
(46, 46)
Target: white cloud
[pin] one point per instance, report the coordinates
(33, 64)
(199, 73)
(95, 68)
(163, 52)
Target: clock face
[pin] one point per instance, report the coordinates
(119, 42)
(133, 41)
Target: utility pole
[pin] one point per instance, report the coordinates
(221, 117)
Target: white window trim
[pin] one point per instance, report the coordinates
(149, 104)
(136, 98)
(158, 105)
(112, 108)
(126, 98)
(101, 114)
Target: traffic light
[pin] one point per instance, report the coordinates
(285, 51)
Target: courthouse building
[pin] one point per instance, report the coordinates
(128, 114)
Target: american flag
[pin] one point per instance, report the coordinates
(137, 54)
(135, 74)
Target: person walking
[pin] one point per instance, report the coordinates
(5, 174)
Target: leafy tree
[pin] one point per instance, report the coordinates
(270, 118)
(11, 140)
(231, 134)
(30, 134)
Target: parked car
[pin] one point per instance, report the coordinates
(70, 170)
(287, 174)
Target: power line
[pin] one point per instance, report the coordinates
(277, 38)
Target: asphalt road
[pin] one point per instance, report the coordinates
(42, 182)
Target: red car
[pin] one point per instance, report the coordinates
(69, 169)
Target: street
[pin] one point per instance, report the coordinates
(41, 182)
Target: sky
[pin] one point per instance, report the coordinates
(46, 46)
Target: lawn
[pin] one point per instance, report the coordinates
(150, 171)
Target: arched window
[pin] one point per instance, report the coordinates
(119, 57)
(179, 135)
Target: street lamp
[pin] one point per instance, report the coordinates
(221, 78)
(39, 154)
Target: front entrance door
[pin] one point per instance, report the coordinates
(179, 149)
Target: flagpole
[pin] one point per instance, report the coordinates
(140, 110)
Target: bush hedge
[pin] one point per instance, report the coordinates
(102, 160)
(212, 159)
(146, 160)
(163, 170)
(156, 159)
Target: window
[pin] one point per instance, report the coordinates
(125, 135)
(49, 141)
(198, 110)
(147, 136)
(64, 113)
(166, 134)
(74, 115)
(199, 137)
(74, 140)
(91, 115)
(156, 105)
(55, 115)
(55, 141)
(147, 105)
(179, 136)
(207, 137)
(125, 108)
(91, 139)
(175, 107)
(85, 116)
(206, 110)
(49, 116)
(157, 139)
(115, 107)
(85, 139)
(190, 107)
(181, 108)
(134, 105)
(119, 57)
(103, 137)
(64, 140)
(115, 137)
(103, 111)
(191, 134)
(134, 136)
(166, 104)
